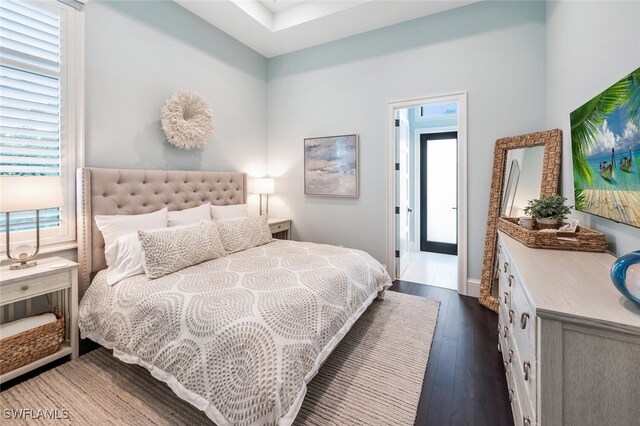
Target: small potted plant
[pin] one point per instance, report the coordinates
(549, 211)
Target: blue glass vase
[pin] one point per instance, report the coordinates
(625, 275)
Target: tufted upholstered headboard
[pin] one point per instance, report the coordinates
(127, 191)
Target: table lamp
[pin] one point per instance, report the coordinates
(21, 193)
(263, 186)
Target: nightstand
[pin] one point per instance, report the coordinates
(56, 277)
(280, 228)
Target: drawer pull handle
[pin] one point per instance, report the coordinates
(24, 288)
(526, 367)
(510, 316)
(510, 395)
(510, 280)
(524, 319)
(526, 421)
(505, 297)
(510, 356)
(506, 265)
(505, 332)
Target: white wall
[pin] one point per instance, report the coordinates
(138, 53)
(493, 50)
(590, 46)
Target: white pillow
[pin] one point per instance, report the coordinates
(190, 216)
(116, 226)
(233, 211)
(128, 259)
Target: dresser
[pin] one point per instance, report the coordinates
(569, 341)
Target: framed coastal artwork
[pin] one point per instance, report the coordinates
(605, 143)
(331, 166)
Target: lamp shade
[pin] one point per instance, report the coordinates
(18, 193)
(262, 186)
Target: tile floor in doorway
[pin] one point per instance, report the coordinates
(435, 269)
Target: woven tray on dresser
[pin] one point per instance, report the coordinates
(31, 345)
(586, 239)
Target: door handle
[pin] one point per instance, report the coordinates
(409, 210)
(526, 368)
(524, 318)
(454, 208)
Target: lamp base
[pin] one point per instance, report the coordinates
(21, 265)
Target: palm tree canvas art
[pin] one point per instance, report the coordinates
(605, 142)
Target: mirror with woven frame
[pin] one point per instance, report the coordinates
(507, 200)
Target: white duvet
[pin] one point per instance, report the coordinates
(238, 337)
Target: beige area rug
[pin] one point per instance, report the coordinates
(374, 377)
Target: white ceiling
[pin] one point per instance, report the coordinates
(275, 27)
(276, 6)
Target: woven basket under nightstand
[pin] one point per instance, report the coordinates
(585, 239)
(31, 345)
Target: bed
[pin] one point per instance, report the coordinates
(238, 337)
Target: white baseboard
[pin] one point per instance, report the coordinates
(473, 287)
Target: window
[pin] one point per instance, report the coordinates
(437, 111)
(41, 82)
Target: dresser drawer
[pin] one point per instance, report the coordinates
(505, 280)
(506, 346)
(524, 322)
(502, 260)
(511, 387)
(502, 339)
(279, 227)
(504, 335)
(505, 327)
(32, 287)
(514, 398)
(524, 376)
(528, 416)
(521, 405)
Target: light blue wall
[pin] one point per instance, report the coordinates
(522, 74)
(590, 46)
(138, 53)
(493, 50)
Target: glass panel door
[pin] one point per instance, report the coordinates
(439, 195)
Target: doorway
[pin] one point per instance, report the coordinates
(427, 191)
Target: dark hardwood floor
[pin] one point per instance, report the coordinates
(464, 383)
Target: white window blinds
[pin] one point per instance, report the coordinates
(30, 98)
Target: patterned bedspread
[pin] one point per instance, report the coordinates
(238, 337)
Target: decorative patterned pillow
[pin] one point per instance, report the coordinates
(241, 234)
(172, 249)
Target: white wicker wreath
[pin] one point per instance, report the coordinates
(187, 120)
